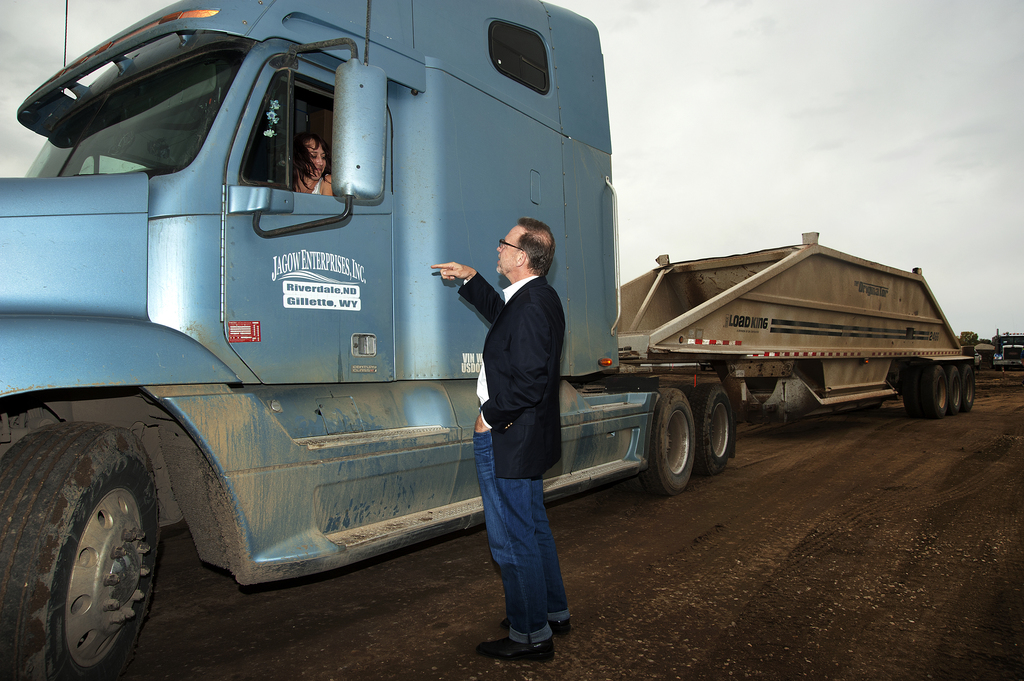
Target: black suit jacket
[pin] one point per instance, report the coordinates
(522, 353)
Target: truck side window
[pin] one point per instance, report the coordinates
(520, 55)
(314, 110)
(267, 160)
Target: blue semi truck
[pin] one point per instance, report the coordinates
(183, 336)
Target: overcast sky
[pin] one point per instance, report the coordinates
(895, 128)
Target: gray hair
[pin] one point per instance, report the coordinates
(538, 243)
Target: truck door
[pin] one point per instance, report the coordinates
(313, 305)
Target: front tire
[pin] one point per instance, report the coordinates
(78, 509)
(670, 456)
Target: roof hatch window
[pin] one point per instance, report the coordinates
(520, 55)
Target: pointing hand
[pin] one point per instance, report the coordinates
(453, 270)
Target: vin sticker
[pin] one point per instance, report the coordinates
(243, 332)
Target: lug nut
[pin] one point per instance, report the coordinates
(132, 533)
(138, 595)
(117, 552)
(111, 580)
(143, 571)
(143, 548)
(111, 605)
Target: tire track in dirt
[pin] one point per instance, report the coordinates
(772, 524)
(989, 603)
(856, 532)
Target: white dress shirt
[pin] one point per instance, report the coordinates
(481, 381)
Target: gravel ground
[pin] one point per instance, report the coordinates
(866, 545)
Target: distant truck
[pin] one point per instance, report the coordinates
(184, 336)
(1007, 353)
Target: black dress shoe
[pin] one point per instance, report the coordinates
(557, 626)
(507, 649)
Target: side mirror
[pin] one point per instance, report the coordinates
(360, 127)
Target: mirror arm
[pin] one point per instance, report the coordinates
(302, 226)
(291, 59)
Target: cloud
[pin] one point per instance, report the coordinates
(32, 45)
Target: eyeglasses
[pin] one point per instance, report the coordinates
(502, 242)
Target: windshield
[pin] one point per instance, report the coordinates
(151, 116)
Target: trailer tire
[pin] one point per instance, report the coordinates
(966, 388)
(716, 428)
(911, 390)
(79, 502)
(934, 392)
(670, 456)
(954, 389)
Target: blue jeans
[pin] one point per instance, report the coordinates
(522, 545)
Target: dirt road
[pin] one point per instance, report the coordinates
(861, 546)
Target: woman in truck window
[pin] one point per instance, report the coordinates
(312, 165)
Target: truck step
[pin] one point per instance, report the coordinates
(435, 521)
(368, 436)
(463, 514)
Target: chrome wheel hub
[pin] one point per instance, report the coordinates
(103, 587)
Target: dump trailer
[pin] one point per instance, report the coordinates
(185, 336)
(797, 331)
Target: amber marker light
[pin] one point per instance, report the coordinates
(605, 362)
(192, 14)
(173, 16)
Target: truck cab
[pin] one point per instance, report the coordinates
(187, 336)
(1008, 347)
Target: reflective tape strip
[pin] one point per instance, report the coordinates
(782, 353)
(701, 341)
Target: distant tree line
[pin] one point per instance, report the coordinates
(968, 338)
(971, 338)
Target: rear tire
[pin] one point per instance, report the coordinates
(670, 456)
(966, 388)
(934, 392)
(911, 390)
(79, 501)
(716, 428)
(953, 389)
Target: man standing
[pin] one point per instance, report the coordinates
(518, 435)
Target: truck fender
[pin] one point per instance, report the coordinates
(42, 353)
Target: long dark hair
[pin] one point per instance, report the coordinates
(303, 161)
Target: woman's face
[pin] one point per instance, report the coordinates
(316, 152)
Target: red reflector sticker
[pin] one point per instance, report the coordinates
(243, 332)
